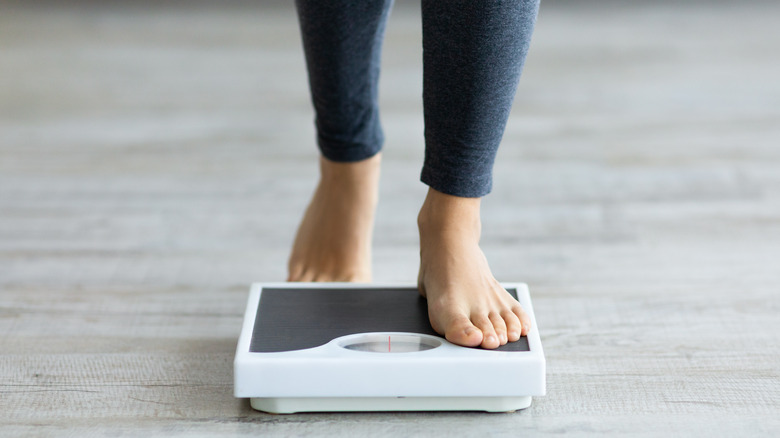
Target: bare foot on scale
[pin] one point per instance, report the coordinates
(334, 238)
(465, 302)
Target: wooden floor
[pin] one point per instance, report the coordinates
(154, 161)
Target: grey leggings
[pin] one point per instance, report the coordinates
(473, 53)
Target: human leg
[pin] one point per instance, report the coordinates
(473, 54)
(342, 42)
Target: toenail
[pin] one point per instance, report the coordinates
(513, 335)
(490, 339)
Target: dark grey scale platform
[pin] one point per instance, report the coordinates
(290, 319)
(347, 347)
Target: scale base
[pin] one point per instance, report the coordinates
(291, 405)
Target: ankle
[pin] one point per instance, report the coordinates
(359, 173)
(443, 213)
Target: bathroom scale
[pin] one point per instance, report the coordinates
(329, 347)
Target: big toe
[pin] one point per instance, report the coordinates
(461, 331)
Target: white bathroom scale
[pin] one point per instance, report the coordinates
(327, 347)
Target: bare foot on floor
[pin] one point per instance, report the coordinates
(465, 302)
(334, 239)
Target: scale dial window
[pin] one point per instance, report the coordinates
(379, 343)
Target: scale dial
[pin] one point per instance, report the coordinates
(391, 343)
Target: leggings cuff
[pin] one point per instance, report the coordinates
(347, 152)
(464, 186)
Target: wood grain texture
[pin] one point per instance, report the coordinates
(154, 161)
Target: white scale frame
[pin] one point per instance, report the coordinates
(336, 377)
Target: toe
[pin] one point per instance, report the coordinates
(499, 326)
(513, 325)
(525, 320)
(461, 331)
(307, 275)
(489, 337)
(320, 277)
(294, 272)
